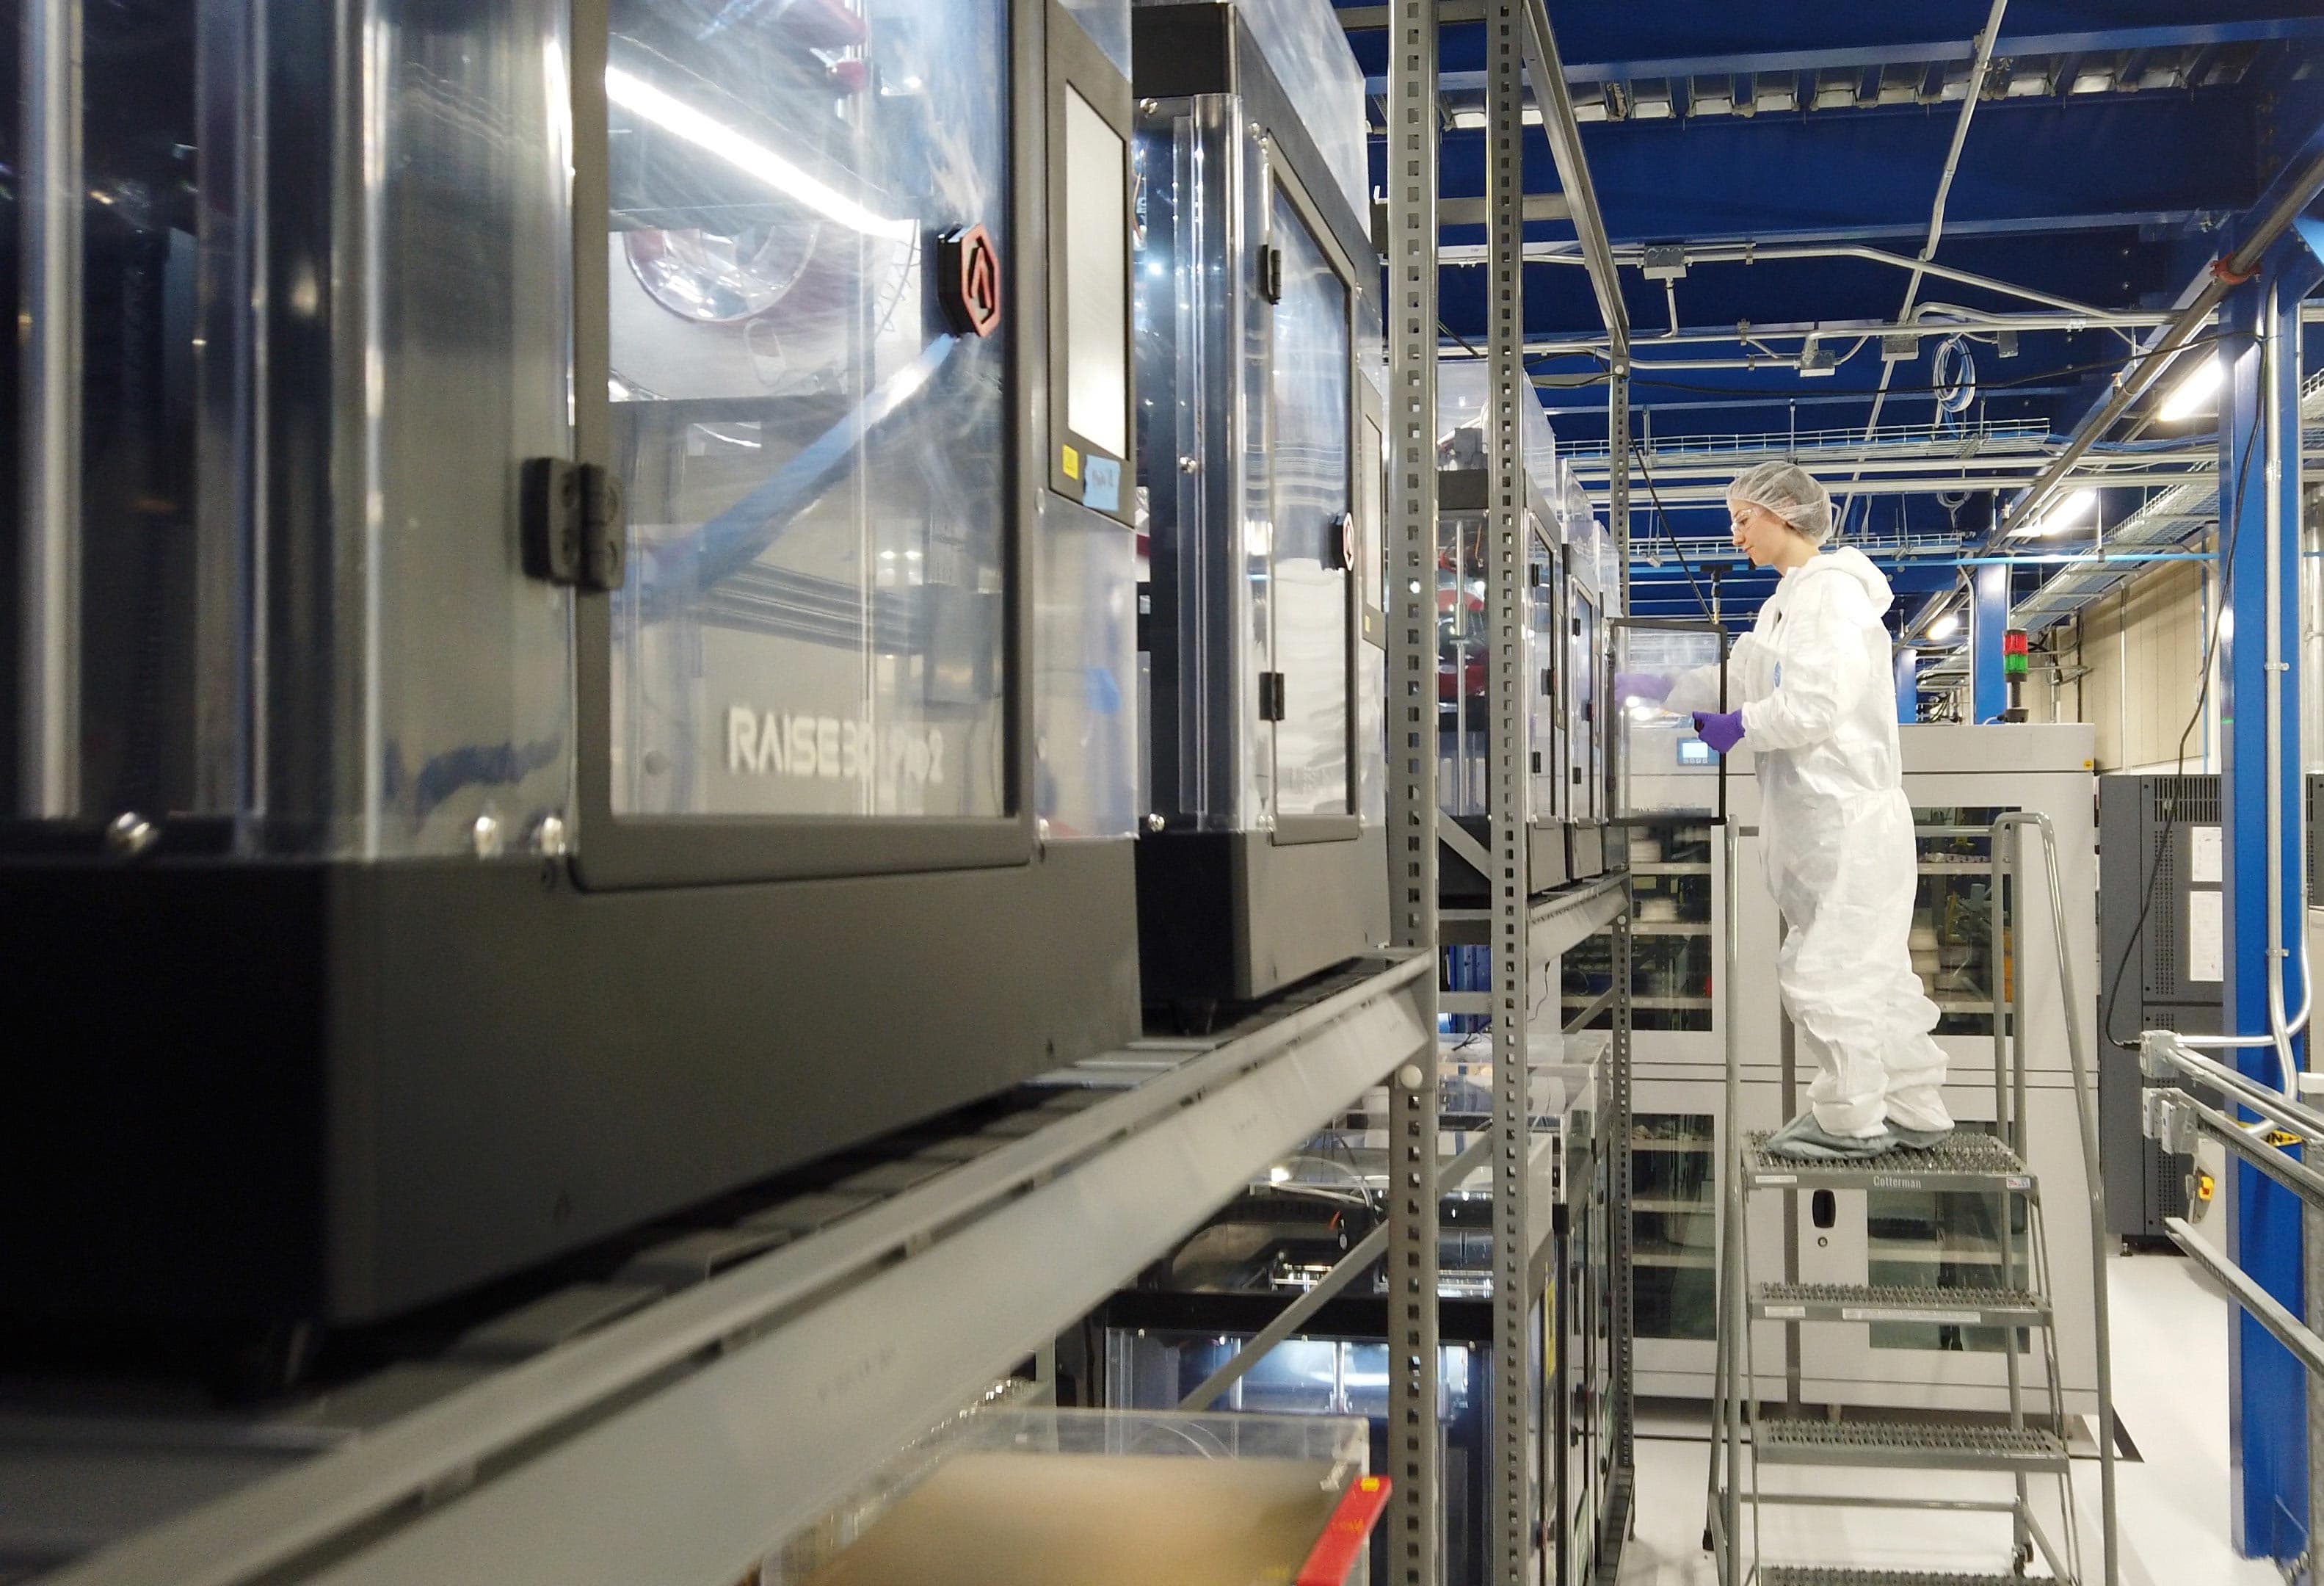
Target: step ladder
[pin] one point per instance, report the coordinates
(2027, 1447)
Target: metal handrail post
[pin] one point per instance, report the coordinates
(2086, 1117)
(2020, 1135)
(1734, 1308)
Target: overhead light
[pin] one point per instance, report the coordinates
(1468, 120)
(2072, 509)
(1945, 627)
(2198, 393)
(1279, 1175)
(1777, 91)
(683, 121)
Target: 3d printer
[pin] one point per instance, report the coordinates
(577, 624)
(1261, 469)
(1554, 736)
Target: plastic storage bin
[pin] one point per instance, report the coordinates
(1097, 1497)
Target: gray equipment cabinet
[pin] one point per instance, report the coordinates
(2161, 942)
(569, 614)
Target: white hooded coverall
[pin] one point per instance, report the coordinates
(1819, 715)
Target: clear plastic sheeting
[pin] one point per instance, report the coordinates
(1086, 720)
(1463, 697)
(1592, 558)
(1314, 529)
(273, 581)
(1107, 22)
(1202, 400)
(1307, 50)
(1667, 770)
(1464, 388)
(816, 616)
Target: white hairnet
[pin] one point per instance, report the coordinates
(1791, 493)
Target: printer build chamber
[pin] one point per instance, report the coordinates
(1261, 472)
(413, 893)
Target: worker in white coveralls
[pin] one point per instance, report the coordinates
(1819, 712)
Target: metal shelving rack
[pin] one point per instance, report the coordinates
(1519, 47)
(683, 1440)
(678, 1421)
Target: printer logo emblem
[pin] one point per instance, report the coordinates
(968, 280)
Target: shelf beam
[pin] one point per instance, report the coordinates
(682, 1443)
(1407, 243)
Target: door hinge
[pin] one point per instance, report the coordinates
(573, 525)
(1270, 695)
(1271, 274)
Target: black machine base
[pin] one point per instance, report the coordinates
(1458, 884)
(259, 1091)
(1227, 916)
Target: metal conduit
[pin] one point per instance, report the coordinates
(1977, 68)
(2142, 374)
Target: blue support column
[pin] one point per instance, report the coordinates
(1988, 619)
(1908, 684)
(2259, 514)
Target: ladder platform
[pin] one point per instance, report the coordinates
(1831, 1302)
(1965, 1162)
(1841, 1575)
(1908, 1445)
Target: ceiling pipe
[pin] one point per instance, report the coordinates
(1974, 91)
(1564, 134)
(1979, 324)
(2164, 352)
(1679, 464)
(1702, 494)
(1752, 253)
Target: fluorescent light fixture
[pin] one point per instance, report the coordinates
(683, 121)
(1945, 627)
(1468, 120)
(2198, 393)
(1279, 1175)
(2064, 513)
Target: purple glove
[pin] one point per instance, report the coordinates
(1722, 733)
(1641, 685)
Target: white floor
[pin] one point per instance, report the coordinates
(2170, 1389)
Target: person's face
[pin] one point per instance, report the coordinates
(1758, 533)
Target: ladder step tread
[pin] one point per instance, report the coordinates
(1844, 1576)
(1963, 1161)
(1923, 1444)
(1836, 1301)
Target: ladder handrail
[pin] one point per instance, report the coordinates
(2085, 1118)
